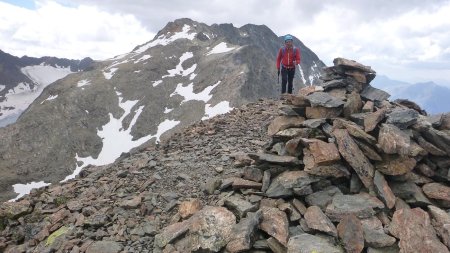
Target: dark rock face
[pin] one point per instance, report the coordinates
(189, 71)
(224, 184)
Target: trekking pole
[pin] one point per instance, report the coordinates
(278, 77)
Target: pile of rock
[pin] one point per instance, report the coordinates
(345, 169)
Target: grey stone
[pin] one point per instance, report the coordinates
(104, 247)
(402, 118)
(362, 205)
(306, 243)
(324, 99)
(239, 206)
(322, 198)
(374, 94)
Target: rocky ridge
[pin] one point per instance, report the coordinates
(334, 168)
(188, 72)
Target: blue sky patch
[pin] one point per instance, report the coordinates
(29, 4)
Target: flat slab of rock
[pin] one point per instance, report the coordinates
(324, 99)
(351, 233)
(275, 223)
(410, 193)
(239, 206)
(351, 64)
(171, 232)
(374, 94)
(317, 220)
(402, 118)
(284, 122)
(276, 159)
(396, 165)
(355, 157)
(319, 112)
(362, 205)
(438, 192)
(383, 190)
(306, 243)
(413, 228)
(322, 153)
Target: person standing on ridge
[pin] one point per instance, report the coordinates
(288, 57)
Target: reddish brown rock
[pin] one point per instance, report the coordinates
(414, 230)
(441, 223)
(368, 107)
(351, 233)
(383, 190)
(13, 210)
(396, 165)
(323, 153)
(275, 223)
(322, 112)
(371, 120)
(284, 122)
(240, 183)
(188, 208)
(355, 157)
(171, 232)
(317, 220)
(438, 192)
(392, 140)
(354, 130)
(298, 100)
(305, 91)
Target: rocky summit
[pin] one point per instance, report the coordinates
(333, 168)
(189, 72)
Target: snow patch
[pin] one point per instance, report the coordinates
(302, 75)
(49, 98)
(193, 75)
(165, 40)
(117, 140)
(220, 48)
(108, 75)
(188, 92)
(220, 108)
(23, 189)
(167, 110)
(156, 83)
(23, 95)
(83, 83)
(137, 71)
(143, 58)
(2, 87)
(178, 70)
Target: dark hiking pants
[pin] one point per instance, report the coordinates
(287, 77)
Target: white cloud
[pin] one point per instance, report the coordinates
(381, 33)
(66, 31)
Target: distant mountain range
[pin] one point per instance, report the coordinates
(23, 79)
(432, 97)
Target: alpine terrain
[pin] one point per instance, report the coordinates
(334, 168)
(189, 72)
(23, 79)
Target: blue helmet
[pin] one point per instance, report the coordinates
(287, 37)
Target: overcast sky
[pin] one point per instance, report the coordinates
(405, 40)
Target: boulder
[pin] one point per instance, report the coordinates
(350, 232)
(244, 233)
(414, 230)
(275, 223)
(438, 192)
(324, 99)
(374, 94)
(317, 220)
(392, 140)
(283, 122)
(395, 165)
(402, 118)
(383, 190)
(440, 220)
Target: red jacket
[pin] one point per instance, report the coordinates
(287, 59)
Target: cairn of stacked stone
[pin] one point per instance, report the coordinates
(346, 171)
